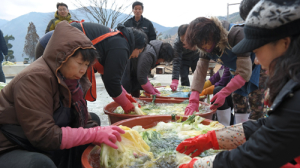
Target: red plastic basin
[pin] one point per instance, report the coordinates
(89, 158)
(151, 121)
(109, 108)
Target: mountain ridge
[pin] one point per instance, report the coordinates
(18, 28)
(2, 22)
(232, 18)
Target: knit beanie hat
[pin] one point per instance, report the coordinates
(268, 21)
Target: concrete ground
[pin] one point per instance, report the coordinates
(103, 98)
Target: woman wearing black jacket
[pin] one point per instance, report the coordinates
(114, 51)
(273, 141)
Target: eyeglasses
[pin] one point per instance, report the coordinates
(62, 10)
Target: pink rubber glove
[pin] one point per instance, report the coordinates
(130, 98)
(235, 83)
(124, 102)
(193, 103)
(174, 84)
(72, 137)
(150, 89)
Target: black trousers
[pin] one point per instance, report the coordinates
(185, 69)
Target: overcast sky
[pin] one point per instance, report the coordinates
(165, 12)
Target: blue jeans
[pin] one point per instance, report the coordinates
(2, 77)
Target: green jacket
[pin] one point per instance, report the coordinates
(57, 19)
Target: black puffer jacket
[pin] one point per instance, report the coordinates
(181, 53)
(144, 24)
(3, 47)
(272, 141)
(114, 53)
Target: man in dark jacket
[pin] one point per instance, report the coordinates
(184, 60)
(4, 50)
(139, 22)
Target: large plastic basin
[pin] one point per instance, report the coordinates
(89, 157)
(109, 108)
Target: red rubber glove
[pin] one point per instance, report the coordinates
(189, 165)
(72, 137)
(193, 103)
(174, 84)
(150, 89)
(124, 102)
(130, 98)
(199, 143)
(289, 165)
(219, 99)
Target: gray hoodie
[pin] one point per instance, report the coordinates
(137, 69)
(147, 60)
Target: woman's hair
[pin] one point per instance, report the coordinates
(87, 55)
(166, 52)
(200, 31)
(246, 6)
(182, 29)
(140, 38)
(284, 68)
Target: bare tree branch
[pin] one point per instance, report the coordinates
(105, 12)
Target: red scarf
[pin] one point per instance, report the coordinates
(78, 101)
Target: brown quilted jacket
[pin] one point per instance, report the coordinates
(30, 99)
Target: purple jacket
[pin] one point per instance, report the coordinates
(221, 80)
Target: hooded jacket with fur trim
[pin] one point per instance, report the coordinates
(30, 99)
(228, 39)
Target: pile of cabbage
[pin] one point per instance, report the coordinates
(8, 63)
(182, 91)
(2, 85)
(155, 147)
(148, 108)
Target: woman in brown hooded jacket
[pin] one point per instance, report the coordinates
(43, 111)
